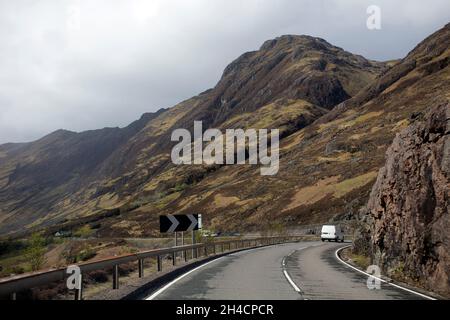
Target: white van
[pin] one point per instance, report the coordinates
(331, 232)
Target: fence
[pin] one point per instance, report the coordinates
(9, 287)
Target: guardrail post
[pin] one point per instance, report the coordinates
(116, 277)
(194, 251)
(185, 256)
(141, 268)
(183, 253)
(174, 258)
(158, 263)
(205, 250)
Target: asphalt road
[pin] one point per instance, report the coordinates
(299, 271)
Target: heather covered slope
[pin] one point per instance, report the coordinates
(287, 84)
(34, 176)
(329, 159)
(327, 169)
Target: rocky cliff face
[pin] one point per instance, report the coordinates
(408, 213)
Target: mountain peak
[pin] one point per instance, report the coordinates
(292, 40)
(293, 67)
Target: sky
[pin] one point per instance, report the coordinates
(88, 64)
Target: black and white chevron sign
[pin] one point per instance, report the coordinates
(178, 223)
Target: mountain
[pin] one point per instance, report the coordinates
(337, 113)
(327, 169)
(34, 176)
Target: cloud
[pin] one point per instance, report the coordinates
(89, 64)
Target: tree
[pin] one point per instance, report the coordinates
(36, 252)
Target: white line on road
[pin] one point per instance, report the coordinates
(167, 286)
(292, 283)
(286, 274)
(382, 280)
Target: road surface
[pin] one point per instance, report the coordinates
(299, 271)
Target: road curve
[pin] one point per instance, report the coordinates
(298, 271)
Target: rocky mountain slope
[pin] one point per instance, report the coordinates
(288, 83)
(34, 176)
(405, 224)
(337, 113)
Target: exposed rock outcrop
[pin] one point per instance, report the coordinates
(407, 219)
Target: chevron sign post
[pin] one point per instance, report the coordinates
(179, 223)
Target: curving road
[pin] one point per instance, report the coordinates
(307, 270)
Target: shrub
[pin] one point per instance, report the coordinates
(85, 255)
(83, 232)
(7, 247)
(36, 252)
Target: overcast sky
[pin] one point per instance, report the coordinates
(87, 64)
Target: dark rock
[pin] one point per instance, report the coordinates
(407, 223)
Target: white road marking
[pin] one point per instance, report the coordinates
(167, 286)
(292, 283)
(382, 280)
(286, 274)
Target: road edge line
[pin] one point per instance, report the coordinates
(336, 253)
(167, 286)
